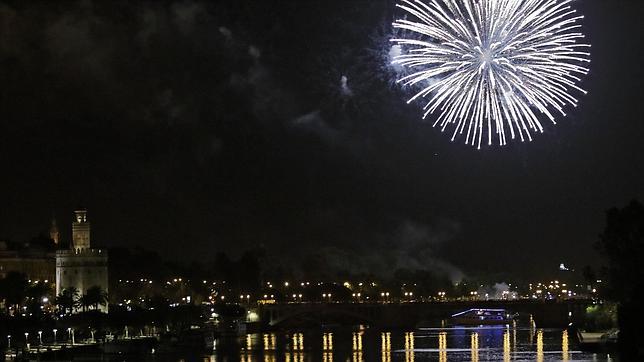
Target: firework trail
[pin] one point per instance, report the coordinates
(492, 66)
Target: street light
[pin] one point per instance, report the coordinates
(8, 341)
(55, 330)
(27, 339)
(69, 334)
(40, 337)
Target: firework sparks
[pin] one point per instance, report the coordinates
(492, 66)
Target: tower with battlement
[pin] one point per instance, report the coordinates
(80, 266)
(80, 231)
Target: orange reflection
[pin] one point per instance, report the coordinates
(357, 346)
(327, 347)
(475, 346)
(564, 346)
(386, 346)
(506, 345)
(409, 347)
(540, 345)
(442, 347)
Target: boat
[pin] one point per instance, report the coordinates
(598, 341)
(482, 316)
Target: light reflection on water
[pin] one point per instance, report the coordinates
(503, 343)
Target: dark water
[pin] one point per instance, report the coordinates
(429, 344)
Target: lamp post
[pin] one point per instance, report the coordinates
(27, 339)
(69, 334)
(9, 342)
(55, 330)
(40, 337)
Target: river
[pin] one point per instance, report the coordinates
(425, 344)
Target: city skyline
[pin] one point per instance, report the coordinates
(190, 123)
(348, 180)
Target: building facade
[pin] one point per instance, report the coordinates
(36, 264)
(80, 266)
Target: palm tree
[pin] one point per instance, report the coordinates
(85, 302)
(96, 296)
(35, 294)
(67, 299)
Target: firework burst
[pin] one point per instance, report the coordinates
(492, 68)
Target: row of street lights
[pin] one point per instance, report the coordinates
(70, 332)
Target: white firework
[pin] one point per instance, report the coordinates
(489, 66)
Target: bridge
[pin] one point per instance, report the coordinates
(411, 314)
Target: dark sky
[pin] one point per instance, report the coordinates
(191, 127)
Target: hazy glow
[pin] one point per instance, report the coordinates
(492, 68)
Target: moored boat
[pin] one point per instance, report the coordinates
(482, 316)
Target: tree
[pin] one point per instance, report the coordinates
(35, 294)
(13, 289)
(67, 300)
(38, 290)
(622, 243)
(589, 275)
(249, 271)
(95, 296)
(84, 302)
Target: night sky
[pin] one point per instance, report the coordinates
(194, 127)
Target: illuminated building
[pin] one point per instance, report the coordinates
(80, 266)
(34, 262)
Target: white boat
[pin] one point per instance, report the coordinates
(598, 337)
(482, 316)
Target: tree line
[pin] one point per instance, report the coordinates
(21, 296)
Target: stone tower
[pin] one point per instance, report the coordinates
(81, 267)
(54, 234)
(80, 231)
